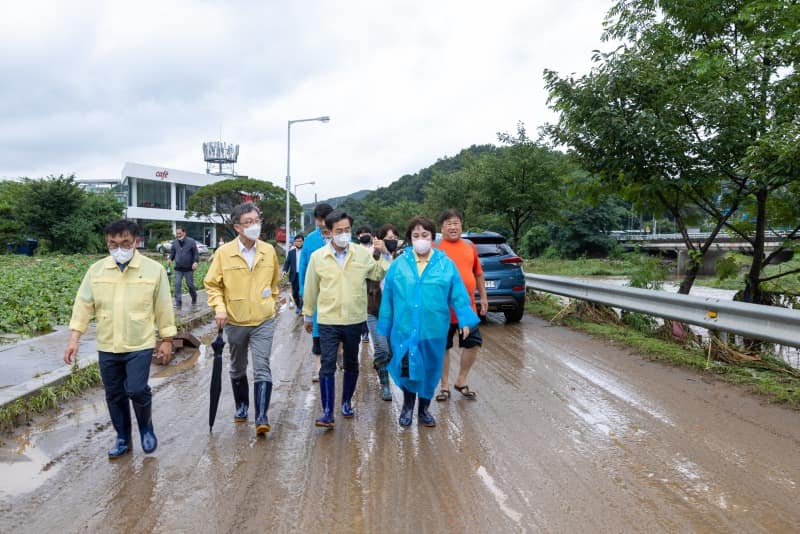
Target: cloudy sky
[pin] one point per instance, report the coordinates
(89, 85)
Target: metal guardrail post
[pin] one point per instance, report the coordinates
(768, 323)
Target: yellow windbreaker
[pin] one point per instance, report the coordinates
(126, 305)
(248, 297)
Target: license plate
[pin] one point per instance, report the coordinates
(489, 284)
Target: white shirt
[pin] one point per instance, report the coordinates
(340, 256)
(248, 254)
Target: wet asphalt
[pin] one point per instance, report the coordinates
(569, 433)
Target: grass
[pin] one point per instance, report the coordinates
(22, 410)
(623, 266)
(776, 386)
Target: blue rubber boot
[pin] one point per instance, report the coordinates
(327, 394)
(241, 398)
(407, 412)
(120, 413)
(144, 418)
(262, 391)
(349, 380)
(424, 416)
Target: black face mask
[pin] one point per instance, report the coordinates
(365, 239)
(391, 245)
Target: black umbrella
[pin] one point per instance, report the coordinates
(216, 379)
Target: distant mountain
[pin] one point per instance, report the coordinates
(335, 201)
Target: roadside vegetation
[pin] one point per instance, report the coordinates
(47, 398)
(765, 375)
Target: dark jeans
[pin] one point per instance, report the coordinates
(329, 337)
(298, 300)
(125, 376)
(189, 276)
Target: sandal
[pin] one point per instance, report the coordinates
(443, 395)
(466, 392)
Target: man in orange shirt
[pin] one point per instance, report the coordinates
(465, 256)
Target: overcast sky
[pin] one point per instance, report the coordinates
(89, 85)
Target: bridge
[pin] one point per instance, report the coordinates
(673, 245)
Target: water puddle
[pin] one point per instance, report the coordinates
(183, 365)
(23, 467)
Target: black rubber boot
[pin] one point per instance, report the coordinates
(386, 388)
(120, 413)
(241, 398)
(407, 412)
(144, 418)
(424, 416)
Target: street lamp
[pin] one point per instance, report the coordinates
(324, 118)
(302, 217)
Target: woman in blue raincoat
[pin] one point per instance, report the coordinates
(420, 288)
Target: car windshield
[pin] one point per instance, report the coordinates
(493, 249)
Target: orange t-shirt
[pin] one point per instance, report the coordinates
(465, 256)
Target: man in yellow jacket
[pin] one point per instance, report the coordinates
(242, 286)
(335, 287)
(128, 294)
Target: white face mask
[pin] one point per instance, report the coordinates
(122, 255)
(422, 246)
(342, 240)
(252, 232)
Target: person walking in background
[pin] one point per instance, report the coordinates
(313, 242)
(420, 289)
(185, 255)
(128, 294)
(381, 354)
(364, 237)
(465, 256)
(242, 286)
(335, 289)
(291, 266)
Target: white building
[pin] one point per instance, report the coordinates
(162, 194)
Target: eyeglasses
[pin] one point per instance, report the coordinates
(249, 222)
(451, 224)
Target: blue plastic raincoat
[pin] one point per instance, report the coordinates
(313, 242)
(415, 315)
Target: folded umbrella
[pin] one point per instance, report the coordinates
(216, 379)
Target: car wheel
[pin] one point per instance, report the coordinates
(515, 315)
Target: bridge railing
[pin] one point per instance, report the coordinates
(768, 323)
(629, 235)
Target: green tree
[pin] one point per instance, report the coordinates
(697, 108)
(521, 182)
(216, 201)
(83, 230)
(11, 228)
(47, 204)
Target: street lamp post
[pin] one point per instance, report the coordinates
(302, 215)
(324, 118)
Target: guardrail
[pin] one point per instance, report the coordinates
(768, 323)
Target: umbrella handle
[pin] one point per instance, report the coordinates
(219, 332)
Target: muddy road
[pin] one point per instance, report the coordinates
(568, 434)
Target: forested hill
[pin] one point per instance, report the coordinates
(411, 187)
(408, 191)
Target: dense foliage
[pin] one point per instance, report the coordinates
(56, 212)
(695, 113)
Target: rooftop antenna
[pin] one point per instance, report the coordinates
(220, 157)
